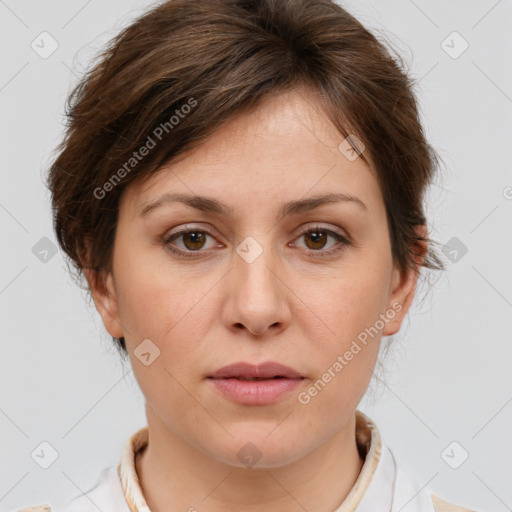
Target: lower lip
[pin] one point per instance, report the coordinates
(256, 392)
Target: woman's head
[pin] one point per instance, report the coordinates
(245, 112)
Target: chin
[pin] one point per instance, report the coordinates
(258, 450)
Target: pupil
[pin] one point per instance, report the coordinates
(317, 239)
(196, 239)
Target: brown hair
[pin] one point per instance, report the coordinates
(184, 68)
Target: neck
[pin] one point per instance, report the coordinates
(177, 476)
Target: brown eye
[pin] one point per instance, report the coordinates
(318, 239)
(194, 240)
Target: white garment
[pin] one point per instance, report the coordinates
(380, 487)
(384, 494)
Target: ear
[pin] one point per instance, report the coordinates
(103, 291)
(403, 287)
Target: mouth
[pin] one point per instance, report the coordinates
(253, 372)
(277, 377)
(256, 391)
(256, 385)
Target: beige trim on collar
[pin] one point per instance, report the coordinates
(38, 508)
(369, 444)
(443, 506)
(128, 474)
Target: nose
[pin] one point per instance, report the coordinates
(258, 294)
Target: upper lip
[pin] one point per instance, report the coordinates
(264, 370)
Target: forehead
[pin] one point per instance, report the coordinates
(285, 149)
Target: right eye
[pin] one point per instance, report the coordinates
(192, 239)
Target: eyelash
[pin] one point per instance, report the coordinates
(322, 254)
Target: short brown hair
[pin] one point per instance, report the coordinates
(187, 67)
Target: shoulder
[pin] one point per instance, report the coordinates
(418, 498)
(389, 485)
(106, 494)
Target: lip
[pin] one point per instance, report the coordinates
(228, 381)
(265, 370)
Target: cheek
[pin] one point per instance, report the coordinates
(348, 301)
(344, 361)
(154, 296)
(345, 331)
(170, 308)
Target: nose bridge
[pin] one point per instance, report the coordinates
(255, 289)
(255, 262)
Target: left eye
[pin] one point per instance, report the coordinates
(319, 237)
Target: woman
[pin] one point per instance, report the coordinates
(242, 184)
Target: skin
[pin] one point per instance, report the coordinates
(290, 305)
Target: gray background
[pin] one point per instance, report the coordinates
(447, 377)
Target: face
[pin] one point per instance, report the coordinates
(312, 286)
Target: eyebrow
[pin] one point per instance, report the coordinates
(210, 205)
